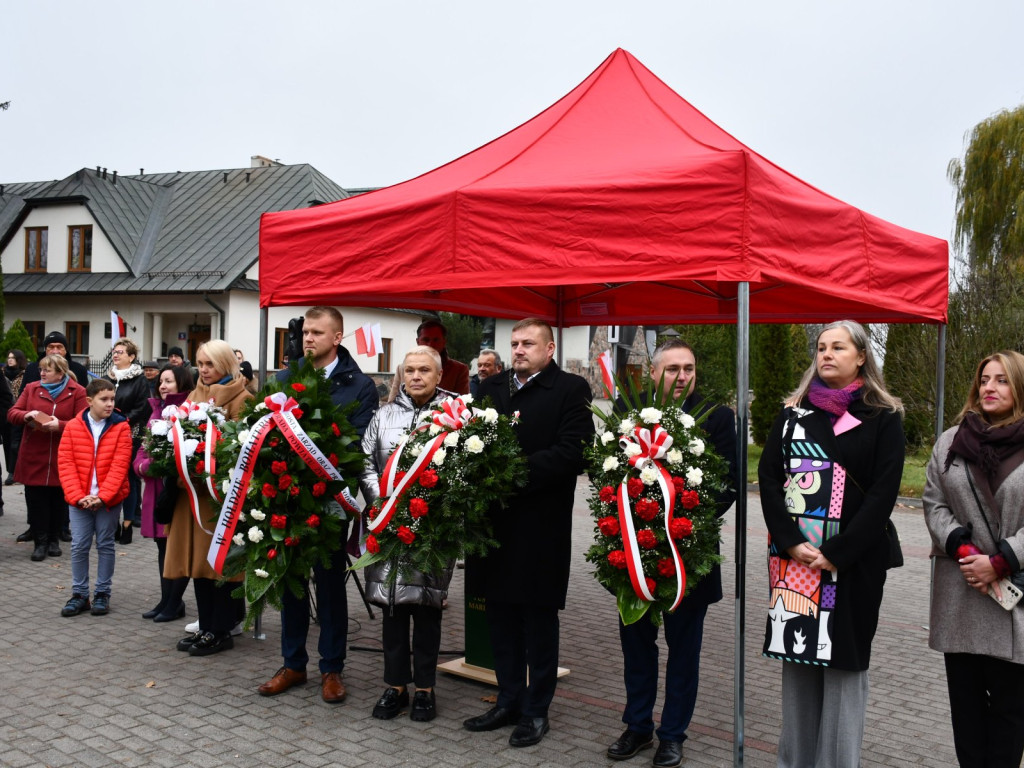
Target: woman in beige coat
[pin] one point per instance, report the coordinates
(974, 509)
(221, 383)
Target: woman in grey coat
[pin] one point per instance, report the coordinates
(414, 596)
(974, 508)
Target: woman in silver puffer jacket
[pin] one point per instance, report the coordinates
(415, 596)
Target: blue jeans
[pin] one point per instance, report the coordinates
(86, 523)
(684, 631)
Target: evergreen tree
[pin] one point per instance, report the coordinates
(714, 347)
(464, 335)
(17, 338)
(771, 375)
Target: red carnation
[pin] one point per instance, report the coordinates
(271, 554)
(313, 521)
(278, 467)
(284, 481)
(278, 521)
(293, 491)
(398, 477)
(274, 442)
(405, 535)
(680, 485)
(428, 478)
(269, 491)
(201, 448)
(291, 541)
(680, 528)
(607, 494)
(200, 467)
(336, 430)
(319, 489)
(418, 507)
(617, 558)
(690, 499)
(299, 387)
(609, 526)
(297, 413)
(667, 567)
(651, 584)
(333, 458)
(646, 538)
(372, 546)
(634, 487)
(647, 509)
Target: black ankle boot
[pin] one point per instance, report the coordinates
(126, 534)
(39, 553)
(174, 608)
(159, 607)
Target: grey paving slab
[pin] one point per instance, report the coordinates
(95, 691)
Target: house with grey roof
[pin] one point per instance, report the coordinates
(175, 254)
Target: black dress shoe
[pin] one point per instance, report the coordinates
(65, 535)
(424, 707)
(529, 732)
(186, 643)
(53, 549)
(669, 754)
(39, 553)
(211, 643)
(170, 615)
(391, 702)
(629, 744)
(26, 536)
(126, 534)
(491, 720)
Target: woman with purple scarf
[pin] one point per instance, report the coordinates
(829, 476)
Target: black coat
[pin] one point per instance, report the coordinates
(535, 528)
(131, 399)
(76, 369)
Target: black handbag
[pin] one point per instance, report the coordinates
(163, 509)
(895, 550)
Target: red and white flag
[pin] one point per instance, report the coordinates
(118, 328)
(368, 341)
(607, 371)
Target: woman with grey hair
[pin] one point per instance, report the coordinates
(829, 476)
(415, 597)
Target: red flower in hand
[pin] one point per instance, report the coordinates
(297, 413)
(428, 478)
(319, 489)
(405, 535)
(284, 481)
(372, 545)
(336, 430)
(680, 528)
(690, 499)
(418, 507)
(634, 487)
(200, 467)
(333, 458)
(269, 491)
(609, 526)
(607, 494)
(278, 521)
(647, 509)
(313, 521)
(964, 550)
(646, 538)
(667, 567)
(278, 467)
(617, 559)
(299, 387)
(271, 554)
(294, 491)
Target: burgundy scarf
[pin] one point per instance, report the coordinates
(985, 446)
(835, 402)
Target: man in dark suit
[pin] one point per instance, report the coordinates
(675, 362)
(525, 579)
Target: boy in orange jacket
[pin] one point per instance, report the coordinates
(94, 457)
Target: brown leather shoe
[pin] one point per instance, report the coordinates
(282, 680)
(331, 688)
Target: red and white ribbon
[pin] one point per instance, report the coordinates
(210, 457)
(181, 463)
(654, 444)
(453, 416)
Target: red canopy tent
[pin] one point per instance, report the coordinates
(619, 204)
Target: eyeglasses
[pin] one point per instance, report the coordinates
(119, 352)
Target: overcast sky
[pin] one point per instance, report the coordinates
(868, 101)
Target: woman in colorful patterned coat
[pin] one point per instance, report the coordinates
(829, 477)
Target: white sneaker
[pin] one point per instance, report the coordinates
(237, 629)
(193, 627)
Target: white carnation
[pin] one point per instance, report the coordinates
(490, 416)
(416, 450)
(241, 517)
(475, 445)
(261, 573)
(451, 439)
(258, 515)
(467, 399)
(169, 411)
(649, 475)
(197, 416)
(694, 475)
(439, 456)
(696, 446)
(260, 407)
(434, 430)
(632, 449)
(611, 463)
(190, 446)
(606, 438)
(160, 427)
(225, 487)
(255, 535)
(239, 539)
(675, 456)
(626, 426)
(687, 421)
(650, 415)
(243, 437)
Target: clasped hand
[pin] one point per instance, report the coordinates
(977, 570)
(811, 556)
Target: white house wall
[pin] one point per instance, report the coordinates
(57, 219)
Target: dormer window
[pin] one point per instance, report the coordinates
(80, 248)
(35, 249)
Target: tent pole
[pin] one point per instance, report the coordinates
(940, 381)
(559, 319)
(257, 629)
(742, 388)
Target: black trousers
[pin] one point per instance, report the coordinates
(426, 642)
(47, 511)
(218, 610)
(524, 637)
(986, 701)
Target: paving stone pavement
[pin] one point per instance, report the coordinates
(112, 690)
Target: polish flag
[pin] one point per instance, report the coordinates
(118, 328)
(368, 340)
(605, 361)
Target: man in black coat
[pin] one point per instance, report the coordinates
(322, 330)
(674, 362)
(526, 578)
(56, 343)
